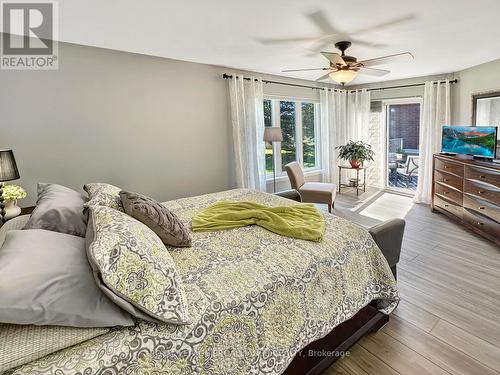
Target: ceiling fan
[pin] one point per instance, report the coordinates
(343, 68)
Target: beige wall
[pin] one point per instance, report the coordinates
(475, 80)
(148, 124)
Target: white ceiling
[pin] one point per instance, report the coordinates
(443, 35)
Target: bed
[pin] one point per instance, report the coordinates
(255, 299)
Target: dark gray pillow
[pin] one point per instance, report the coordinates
(157, 217)
(45, 279)
(59, 209)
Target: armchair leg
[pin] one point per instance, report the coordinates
(330, 208)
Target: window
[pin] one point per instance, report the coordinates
(308, 135)
(298, 121)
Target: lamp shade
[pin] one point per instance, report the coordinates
(8, 167)
(273, 135)
(343, 75)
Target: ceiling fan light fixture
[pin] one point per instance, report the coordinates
(343, 76)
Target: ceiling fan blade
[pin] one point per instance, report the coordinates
(374, 72)
(327, 75)
(334, 58)
(285, 40)
(364, 43)
(321, 20)
(303, 70)
(386, 24)
(388, 59)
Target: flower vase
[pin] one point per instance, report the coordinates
(11, 209)
(355, 163)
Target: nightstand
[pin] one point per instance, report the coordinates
(24, 211)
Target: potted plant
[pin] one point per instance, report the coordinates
(356, 152)
(11, 194)
(400, 153)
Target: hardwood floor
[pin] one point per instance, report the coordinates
(448, 320)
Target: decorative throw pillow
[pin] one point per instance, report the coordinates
(45, 279)
(59, 209)
(157, 217)
(131, 262)
(101, 194)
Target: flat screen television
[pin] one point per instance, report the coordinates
(470, 140)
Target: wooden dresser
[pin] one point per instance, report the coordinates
(468, 191)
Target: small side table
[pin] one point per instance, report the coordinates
(24, 211)
(341, 185)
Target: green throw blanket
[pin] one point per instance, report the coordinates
(302, 221)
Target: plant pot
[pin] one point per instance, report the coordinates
(11, 210)
(399, 156)
(355, 163)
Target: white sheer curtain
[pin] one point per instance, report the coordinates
(435, 114)
(358, 115)
(247, 118)
(333, 132)
(345, 116)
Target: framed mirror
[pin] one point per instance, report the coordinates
(486, 111)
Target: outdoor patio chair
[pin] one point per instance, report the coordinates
(408, 171)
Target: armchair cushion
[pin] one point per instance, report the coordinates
(318, 192)
(295, 175)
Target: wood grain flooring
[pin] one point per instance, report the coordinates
(448, 320)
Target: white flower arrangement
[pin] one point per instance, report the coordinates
(13, 193)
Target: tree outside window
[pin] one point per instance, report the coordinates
(298, 122)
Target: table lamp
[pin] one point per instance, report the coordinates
(271, 135)
(8, 172)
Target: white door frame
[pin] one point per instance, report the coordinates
(385, 106)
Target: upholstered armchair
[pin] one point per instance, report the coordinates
(310, 192)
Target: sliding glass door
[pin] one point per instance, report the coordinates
(402, 140)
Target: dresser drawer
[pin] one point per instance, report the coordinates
(482, 207)
(444, 191)
(450, 167)
(484, 175)
(449, 179)
(488, 226)
(452, 208)
(483, 191)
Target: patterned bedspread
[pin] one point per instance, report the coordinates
(255, 299)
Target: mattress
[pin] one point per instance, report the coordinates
(255, 299)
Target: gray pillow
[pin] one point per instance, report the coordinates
(45, 279)
(157, 217)
(59, 209)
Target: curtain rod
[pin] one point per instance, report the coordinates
(404, 86)
(229, 76)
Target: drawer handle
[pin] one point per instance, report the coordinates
(482, 176)
(479, 223)
(447, 205)
(482, 207)
(481, 192)
(446, 180)
(446, 167)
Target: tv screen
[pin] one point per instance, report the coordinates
(470, 140)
